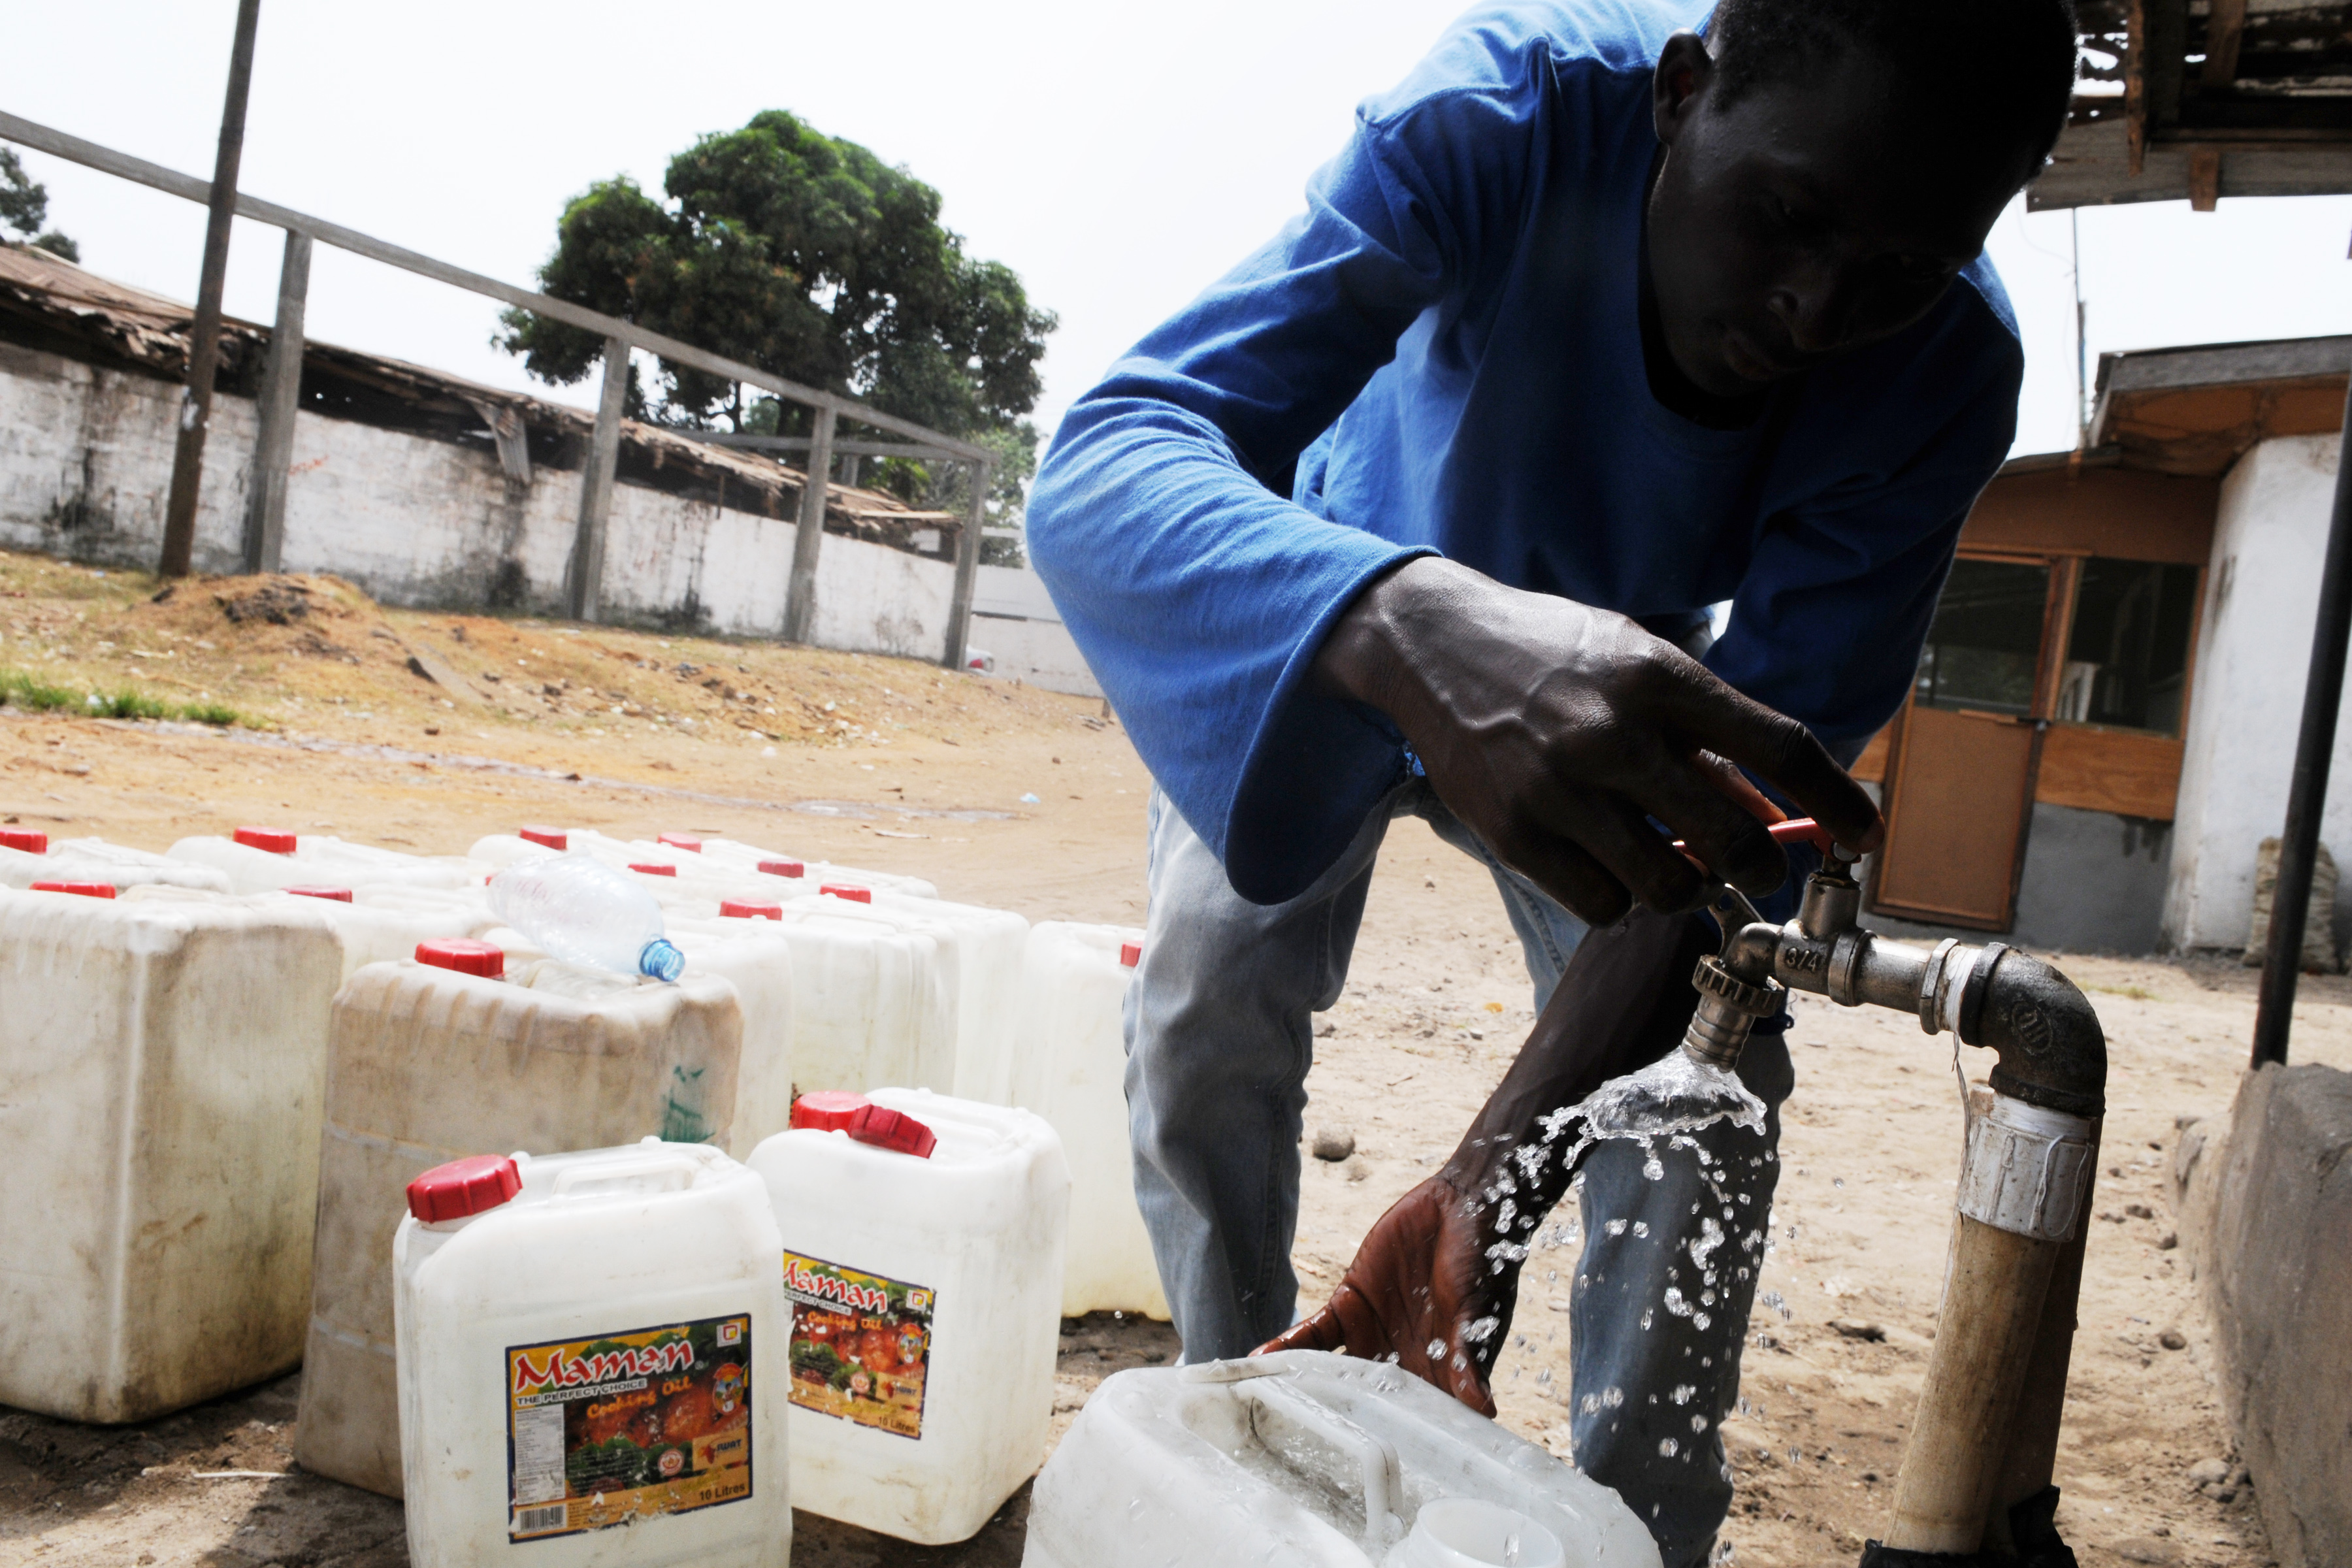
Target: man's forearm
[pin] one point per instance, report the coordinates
(1624, 1003)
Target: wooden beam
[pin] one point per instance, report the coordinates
(203, 333)
(2136, 87)
(596, 486)
(967, 570)
(281, 399)
(2204, 179)
(808, 535)
(75, 149)
(2225, 30)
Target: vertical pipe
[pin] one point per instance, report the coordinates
(2031, 1460)
(808, 536)
(967, 571)
(203, 333)
(596, 486)
(2315, 750)
(1984, 1337)
(281, 397)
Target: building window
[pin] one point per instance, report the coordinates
(2127, 659)
(1984, 647)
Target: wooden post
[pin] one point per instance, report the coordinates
(967, 570)
(808, 536)
(596, 486)
(281, 396)
(203, 333)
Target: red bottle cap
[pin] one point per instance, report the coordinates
(464, 1187)
(653, 868)
(554, 838)
(85, 889)
(1130, 954)
(854, 894)
(340, 895)
(828, 1109)
(27, 841)
(784, 867)
(886, 1129)
(465, 956)
(751, 909)
(276, 840)
(685, 841)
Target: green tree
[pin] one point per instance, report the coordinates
(24, 207)
(811, 257)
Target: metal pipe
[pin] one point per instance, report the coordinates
(203, 333)
(2315, 750)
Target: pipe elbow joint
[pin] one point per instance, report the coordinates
(1750, 953)
(2053, 1052)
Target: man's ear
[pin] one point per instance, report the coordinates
(1684, 67)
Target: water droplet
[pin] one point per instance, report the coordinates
(1615, 1228)
(1641, 1228)
(1698, 1423)
(1668, 1447)
(1436, 1349)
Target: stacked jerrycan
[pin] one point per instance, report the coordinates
(923, 1241)
(1071, 1069)
(264, 859)
(375, 925)
(589, 1340)
(160, 1086)
(737, 856)
(1311, 1460)
(27, 857)
(427, 1064)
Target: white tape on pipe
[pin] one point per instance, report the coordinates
(2026, 1170)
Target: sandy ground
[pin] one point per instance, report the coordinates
(896, 765)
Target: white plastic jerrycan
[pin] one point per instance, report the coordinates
(922, 1252)
(1306, 1459)
(263, 859)
(430, 1061)
(814, 873)
(160, 1066)
(592, 1362)
(370, 931)
(1071, 1068)
(873, 998)
(27, 857)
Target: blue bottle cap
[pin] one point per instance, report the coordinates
(661, 960)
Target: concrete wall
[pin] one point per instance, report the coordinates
(2094, 883)
(86, 462)
(1013, 618)
(2262, 594)
(2264, 1217)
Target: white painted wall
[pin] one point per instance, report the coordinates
(1013, 618)
(86, 463)
(2262, 595)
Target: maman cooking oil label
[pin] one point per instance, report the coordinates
(626, 1426)
(861, 1345)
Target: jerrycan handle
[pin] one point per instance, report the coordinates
(1288, 1420)
(654, 1173)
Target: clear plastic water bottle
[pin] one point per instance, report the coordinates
(581, 911)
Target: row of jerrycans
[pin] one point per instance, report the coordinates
(217, 1011)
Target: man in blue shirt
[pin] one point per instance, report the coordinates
(1594, 322)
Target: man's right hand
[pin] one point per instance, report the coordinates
(1554, 730)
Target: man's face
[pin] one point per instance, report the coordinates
(1805, 220)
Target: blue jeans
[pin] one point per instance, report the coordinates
(1219, 1043)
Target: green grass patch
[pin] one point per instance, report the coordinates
(18, 690)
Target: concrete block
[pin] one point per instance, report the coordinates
(2266, 1218)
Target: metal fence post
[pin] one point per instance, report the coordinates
(596, 486)
(281, 396)
(808, 536)
(2315, 750)
(967, 571)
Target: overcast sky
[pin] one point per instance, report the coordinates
(1118, 156)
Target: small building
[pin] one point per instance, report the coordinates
(2105, 716)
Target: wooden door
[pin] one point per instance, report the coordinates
(1961, 791)
(1959, 781)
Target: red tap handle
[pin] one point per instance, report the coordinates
(1795, 830)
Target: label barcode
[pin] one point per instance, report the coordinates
(535, 1519)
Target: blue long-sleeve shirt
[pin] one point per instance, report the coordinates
(1444, 354)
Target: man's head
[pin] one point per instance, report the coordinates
(1831, 164)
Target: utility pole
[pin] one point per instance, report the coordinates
(203, 335)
